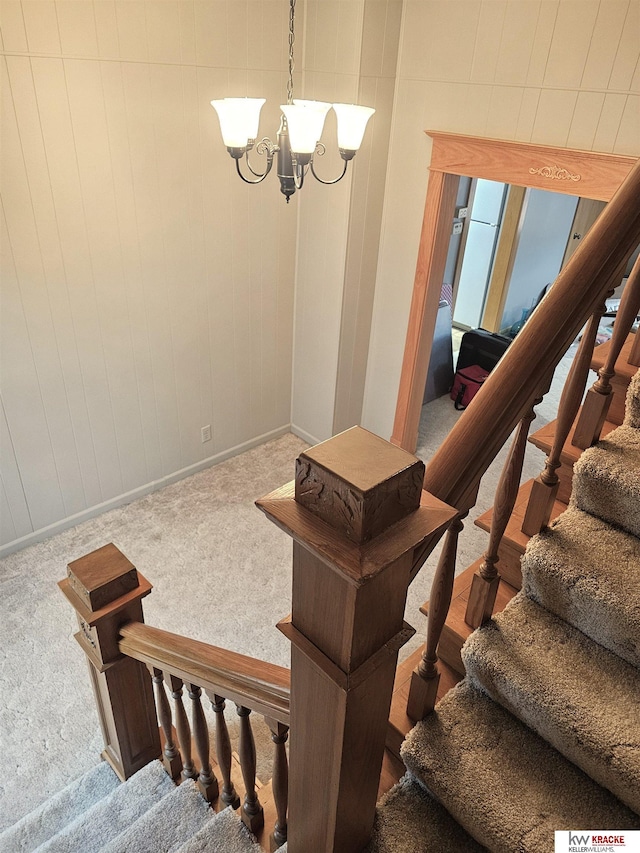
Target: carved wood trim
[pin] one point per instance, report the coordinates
(589, 174)
(522, 164)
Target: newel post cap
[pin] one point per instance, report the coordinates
(357, 502)
(358, 483)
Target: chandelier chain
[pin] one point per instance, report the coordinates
(292, 38)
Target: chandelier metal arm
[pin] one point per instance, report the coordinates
(259, 178)
(265, 146)
(335, 180)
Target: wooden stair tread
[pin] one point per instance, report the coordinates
(543, 439)
(624, 370)
(513, 533)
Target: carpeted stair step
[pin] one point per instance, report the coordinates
(502, 782)
(105, 820)
(606, 481)
(59, 810)
(574, 693)
(163, 828)
(409, 820)
(587, 572)
(226, 834)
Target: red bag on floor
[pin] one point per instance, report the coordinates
(466, 384)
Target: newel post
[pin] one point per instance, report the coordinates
(106, 591)
(356, 513)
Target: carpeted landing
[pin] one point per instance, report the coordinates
(543, 734)
(146, 814)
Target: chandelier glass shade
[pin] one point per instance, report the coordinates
(298, 139)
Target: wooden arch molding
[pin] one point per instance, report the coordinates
(580, 173)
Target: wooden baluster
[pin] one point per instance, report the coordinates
(228, 795)
(599, 396)
(171, 757)
(484, 586)
(207, 782)
(183, 729)
(279, 782)
(545, 486)
(252, 813)
(425, 677)
(634, 355)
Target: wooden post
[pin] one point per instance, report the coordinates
(356, 514)
(106, 591)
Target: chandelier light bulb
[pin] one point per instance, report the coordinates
(239, 119)
(305, 120)
(352, 121)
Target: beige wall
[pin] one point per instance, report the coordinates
(564, 73)
(146, 291)
(350, 56)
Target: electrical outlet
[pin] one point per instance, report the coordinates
(463, 212)
(205, 433)
(457, 227)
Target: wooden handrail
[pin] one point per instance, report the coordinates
(259, 685)
(456, 468)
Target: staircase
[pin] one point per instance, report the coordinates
(146, 814)
(543, 733)
(514, 541)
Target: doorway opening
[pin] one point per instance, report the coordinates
(573, 173)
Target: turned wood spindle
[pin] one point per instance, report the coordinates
(171, 756)
(634, 355)
(207, 782)
(484, 586)
(545, 486)
(425, 678)
(228, 795)
(279, 782)
(252, 813)
(599, 396)
(183, 729)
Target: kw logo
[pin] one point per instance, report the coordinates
(579, 839)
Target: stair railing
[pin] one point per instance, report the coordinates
(362, 527)
(506, 400)
(357, 513)
(132, 663)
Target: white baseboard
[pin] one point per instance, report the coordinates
(141, 491)
(304, 435)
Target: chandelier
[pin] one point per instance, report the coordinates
(298, 139)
